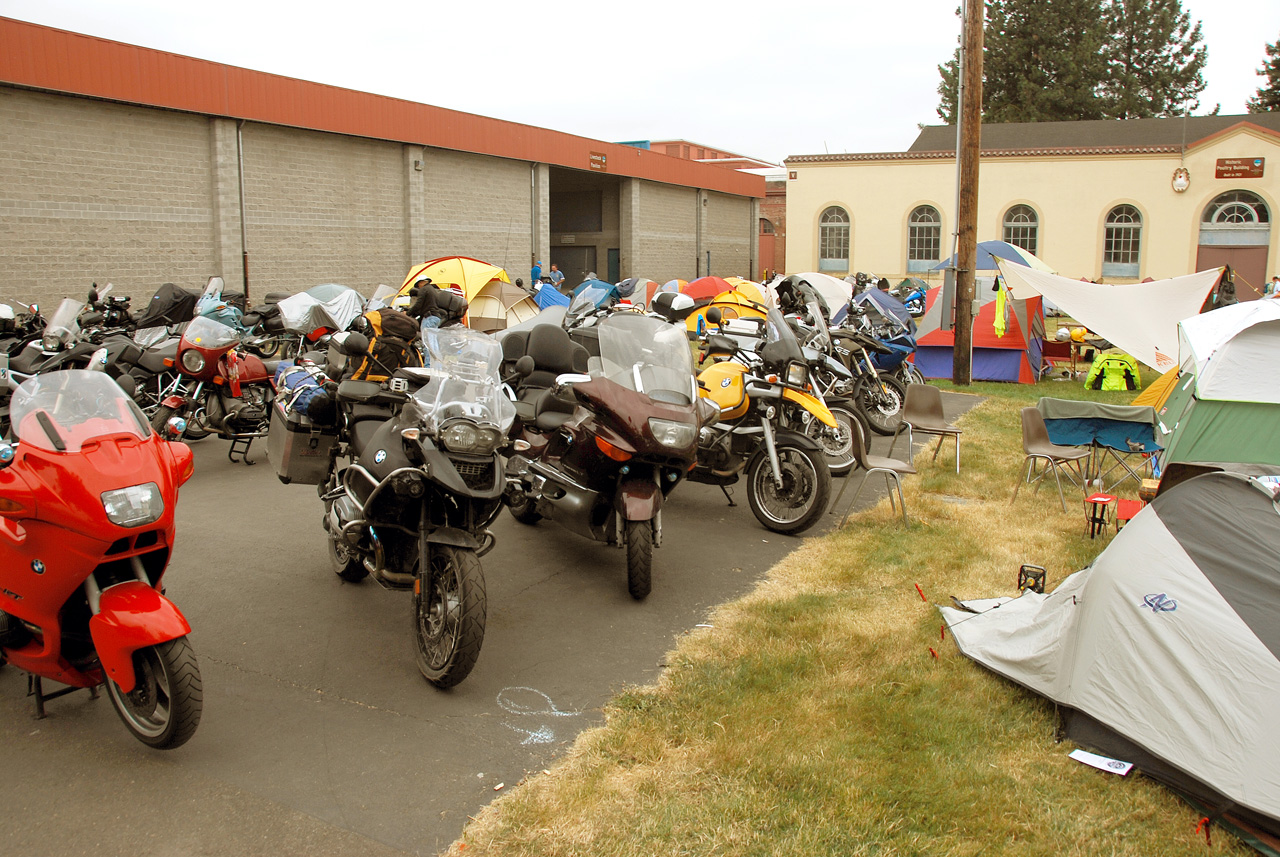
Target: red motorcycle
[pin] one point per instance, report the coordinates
(87, 496)
(229, 392)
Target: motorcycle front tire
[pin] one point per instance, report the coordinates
(883, 413)
(449, 614)
(838, 443)
(344, 563)
(806, 488)
(163, 709)
(639, 536)
(522, 511)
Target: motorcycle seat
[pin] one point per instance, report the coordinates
(550, 411)
(153, 359)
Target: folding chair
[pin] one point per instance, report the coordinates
(922, 412)
(1036, 445)
(890, 467)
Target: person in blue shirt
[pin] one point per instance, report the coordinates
(536, 271)
(557, 278)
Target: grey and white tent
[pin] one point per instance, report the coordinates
(1165, 651)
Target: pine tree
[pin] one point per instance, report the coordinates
(1063, 60)
(1155, 59)
(1268, 97)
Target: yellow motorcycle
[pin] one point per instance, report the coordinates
(759, 382)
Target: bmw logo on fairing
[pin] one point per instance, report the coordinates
(380, 457)
(37, 566)
(726, 382)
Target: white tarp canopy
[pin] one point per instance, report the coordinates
(1234, 352)
(328, 305)
(1141, 318)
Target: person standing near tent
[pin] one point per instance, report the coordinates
(557, 278)
(536, 272)
(1273, 287)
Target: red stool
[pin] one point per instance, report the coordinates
(1098, 509)
(1125, 510)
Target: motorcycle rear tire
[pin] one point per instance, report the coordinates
(805, 491)
(883, 413)
(346, 566)
(193, 431)
(163, 709)
(449, 615)
(639, 538)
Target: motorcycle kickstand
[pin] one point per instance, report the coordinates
(36, 688)
(244, 451)
(728, 495)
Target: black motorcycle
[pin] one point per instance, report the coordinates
(423, 482)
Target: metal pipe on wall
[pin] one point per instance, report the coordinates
(244, 232)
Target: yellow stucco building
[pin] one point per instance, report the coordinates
(1117, 200)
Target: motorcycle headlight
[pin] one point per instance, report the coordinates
(797, 374)
(134, 506)
(192, 360)
(50, 343)
(671, 433)
(471, 439)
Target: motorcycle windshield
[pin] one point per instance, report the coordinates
(63, 411)
(647, 355)
(466, 383)
(64, 324)
(587, 300)
(207, 333)
(780, 343)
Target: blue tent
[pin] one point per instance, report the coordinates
(888, 306)
(549, 296)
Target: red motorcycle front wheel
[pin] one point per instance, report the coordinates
(163, 709)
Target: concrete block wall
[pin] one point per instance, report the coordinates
(322, 208)
(478, 206)
(729, 236)
(95, 191)
(665, 240)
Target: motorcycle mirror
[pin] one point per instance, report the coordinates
(525, 366)
(93, 294)
(129, 384)
(713, 315)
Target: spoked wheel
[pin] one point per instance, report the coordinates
(883, 411)
(806, 487)
(163, 709)
(836, 443)
(639, 538)
(344, 563)
(449, 614)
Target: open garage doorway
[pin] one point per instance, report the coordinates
(1235, 230)
(585, 223)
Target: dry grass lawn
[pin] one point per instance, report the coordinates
(827, 714)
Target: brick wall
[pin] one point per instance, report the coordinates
(94, 191)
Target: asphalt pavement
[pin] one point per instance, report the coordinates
(319, 736)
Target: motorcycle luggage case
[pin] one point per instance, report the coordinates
(297, 448)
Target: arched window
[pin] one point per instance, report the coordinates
(766, 226)
(924, 238)
(833, 240)
(1236, 208)
(1122, 243)
(1021, 228)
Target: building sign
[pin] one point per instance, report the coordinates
(600, 162)
(1239, 168)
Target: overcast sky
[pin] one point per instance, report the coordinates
(761, 79)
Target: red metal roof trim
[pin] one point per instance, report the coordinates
(46, 58)
(987, 153)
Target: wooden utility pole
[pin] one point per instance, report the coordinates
(968, 149)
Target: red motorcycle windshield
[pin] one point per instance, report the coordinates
(63, 411)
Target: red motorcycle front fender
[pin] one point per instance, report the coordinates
(132, 616)
(177, 403)
(639, 500)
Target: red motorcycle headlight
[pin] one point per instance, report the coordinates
(192, 360)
